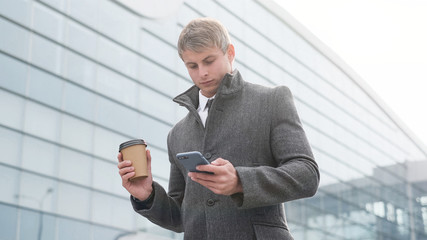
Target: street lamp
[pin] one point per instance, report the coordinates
(40, 202)
(48, 191)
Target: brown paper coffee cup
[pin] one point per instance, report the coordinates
(135, 151)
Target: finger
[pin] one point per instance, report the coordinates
(148, 159)
(126, 176)
(217, 184)
(205, 168)
(211, 168)
(219, 162)
(126, 170)
(120, 157)
(123, 164)
(201, 176)
(149, 163)
(214, 187)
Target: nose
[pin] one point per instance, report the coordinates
(203, 71)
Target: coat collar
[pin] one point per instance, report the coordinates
(231, 83)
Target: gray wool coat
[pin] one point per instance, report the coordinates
(258, 130)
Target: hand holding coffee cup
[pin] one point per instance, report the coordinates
(140, 186)
(135, 151)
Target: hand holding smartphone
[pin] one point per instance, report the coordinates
(190, 160)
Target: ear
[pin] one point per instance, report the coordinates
(231, 53)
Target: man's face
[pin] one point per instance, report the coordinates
(207, 68)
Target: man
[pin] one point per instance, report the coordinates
(253, 138)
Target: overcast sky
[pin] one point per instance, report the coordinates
(384, 41)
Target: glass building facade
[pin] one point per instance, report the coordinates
(78, 77)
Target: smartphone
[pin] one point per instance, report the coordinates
(190, 160)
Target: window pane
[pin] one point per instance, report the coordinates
(120, 215)
(116, 117)
(79, 69)
(157, 50)
(118, 23)
(84, 11)
(13, 74)
(73, 201)
(10, 146)
(58, 4)
(36, 192)
(76, 133)
(19, 10)
(157, 77)
(117, 57)
(79, 101)
(48, 232)
(45, 88)
(39, 156)
(46, 54)
(16, 41)
(105, 175)
(101, 202)
(14, 106)
(29, 224)
(8, 220)
(41, 121)
(75, 167)
(8, 185)
(103, 233)
(146, 99)
(73, 230)
(47, 22)
(107, 144)
(81, 39)
(116, 86)
(160, 163)
(153, 131)
(123, 214)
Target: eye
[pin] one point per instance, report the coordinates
(209, 61)
(192, 66)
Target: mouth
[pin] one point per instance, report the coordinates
(206, 82)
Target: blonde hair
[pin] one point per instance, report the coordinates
(202, 33)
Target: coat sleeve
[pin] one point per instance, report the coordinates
(296, 173)
(165, 209)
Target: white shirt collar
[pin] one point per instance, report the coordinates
(202, 101)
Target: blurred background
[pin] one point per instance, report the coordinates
(79, 77)
(383, 41)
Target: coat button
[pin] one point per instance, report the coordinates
(210, 202)
(208, 155)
